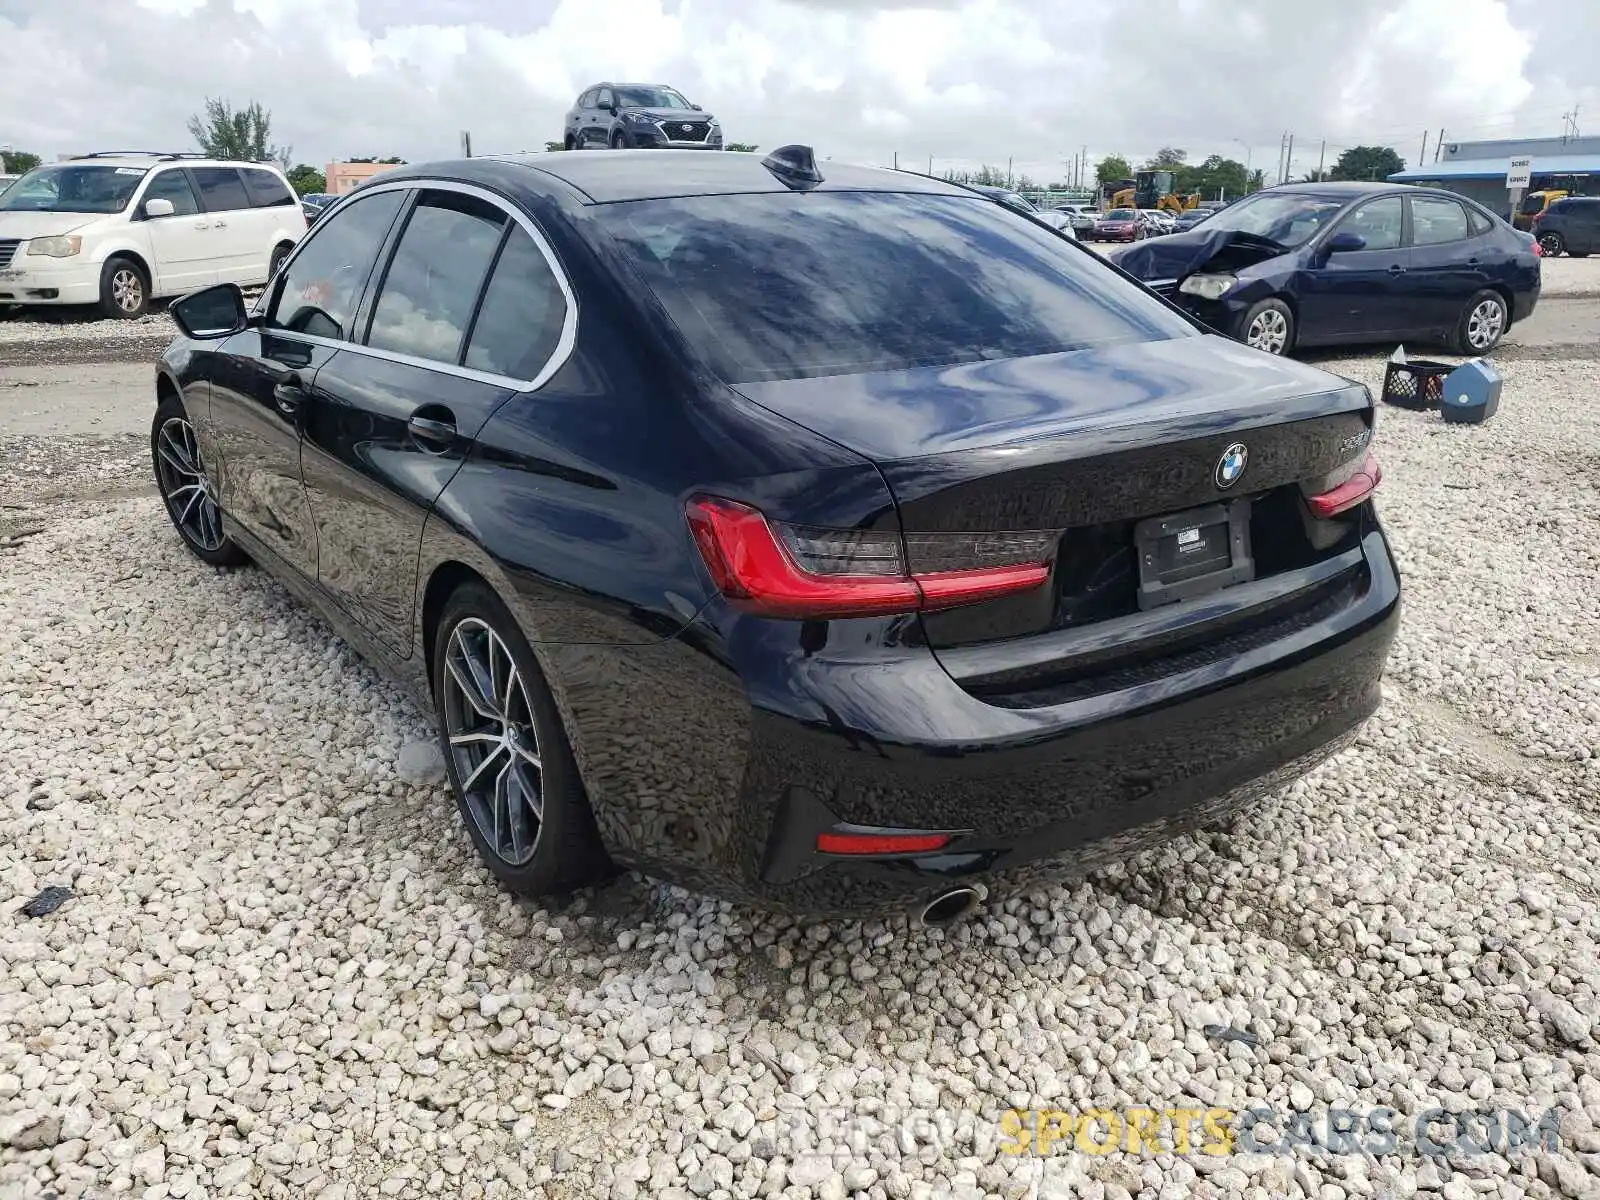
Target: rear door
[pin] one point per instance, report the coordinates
(271, 216)
(1359, 295)
(599, 117)
(1449, 262)
(466, 314)
(231, 238)
(180, 244)
(1584, 224)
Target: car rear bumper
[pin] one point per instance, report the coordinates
(775, 745)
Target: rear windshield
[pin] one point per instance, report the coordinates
(795, 285)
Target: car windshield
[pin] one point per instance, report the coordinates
(1121, 214)
(73, 188)
(1287, 218)
(786, 286)
(650, 97)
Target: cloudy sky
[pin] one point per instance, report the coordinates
(965, 81)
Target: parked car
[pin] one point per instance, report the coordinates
(820, 536)
(1122, 225)
(1021, 204)
(1569, 226)
(314, 204)
(120, 229)
(1059, 221)
(1161, 222)
(1326, 263)
(643, 115)
(1188, 220)
(6, 181)
(1082, 216)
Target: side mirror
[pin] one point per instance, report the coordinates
(613, 108)
(157, 207)
(211, 313)
(697, 108)
(1344, 243)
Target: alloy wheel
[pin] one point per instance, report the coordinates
(1551, 245)
(1269, 331)
(492, 741)
(127, 289)
(185, 487)
(1485, 324)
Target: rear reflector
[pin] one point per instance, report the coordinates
(802, 573)
(1361, 484)
(881, 843)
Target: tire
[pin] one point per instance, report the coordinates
(567, 142)
(1483, 323)
(124, 289)
(187, 491)
(279, 253)
(1268, 326)
(558, 849)
(619, 140)
(1551, 245)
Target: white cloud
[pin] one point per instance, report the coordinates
(968, 81)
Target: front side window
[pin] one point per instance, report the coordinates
(323, 284)
(428, 294)
(520, 321)
(265, 189)
(605, 100)
(786, 285)
(74, 188)
(220, 189)
(1379, 222)
(173, 186)
(1435, 221)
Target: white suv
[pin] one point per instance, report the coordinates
(119, 229)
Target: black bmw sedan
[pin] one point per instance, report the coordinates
(1322, 264)
(831, 540)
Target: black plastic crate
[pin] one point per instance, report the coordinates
(1417, 383)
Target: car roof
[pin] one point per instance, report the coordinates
(619, 175)
(153, 158)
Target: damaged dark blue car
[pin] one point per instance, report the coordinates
(1321, 264)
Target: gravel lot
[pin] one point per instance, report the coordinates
(281, 972)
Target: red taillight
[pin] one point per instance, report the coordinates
(881, 843)
(846, 573)
(1361, 484)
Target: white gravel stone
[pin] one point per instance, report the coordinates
(284, 974)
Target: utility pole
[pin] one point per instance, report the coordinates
(1423, 157)
(930, 164)
(897, 160)
(1288, 161)
(1322, 157)
(1438, 145)
(1009, 160)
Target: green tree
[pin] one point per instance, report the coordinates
(239, 134)
(1215, 177)
(306, 179)
(1367, 162)
(743, 147)
(552, 146)
(1168, 158)
(17, 162)
(1112, 168)
(392, 162)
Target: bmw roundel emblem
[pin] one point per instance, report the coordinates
(1231, 465)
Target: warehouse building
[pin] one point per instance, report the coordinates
(1477, 170)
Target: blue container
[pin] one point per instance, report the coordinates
(1471, 393)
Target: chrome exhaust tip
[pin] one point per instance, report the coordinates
(949, 907)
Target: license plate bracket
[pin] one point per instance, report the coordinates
(1194, 552)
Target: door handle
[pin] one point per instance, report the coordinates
(288, 393)
(426, 429)
(201, 225)
(221, 224)
(1397, 269)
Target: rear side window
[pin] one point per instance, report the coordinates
(426, 301)
(1479, 222)
(323, 285)
(786, 286)
(519, 323)
(265, 189)
(220, 189)
(173, 186)
(1435, 221)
